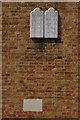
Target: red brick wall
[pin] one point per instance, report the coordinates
(46, 69)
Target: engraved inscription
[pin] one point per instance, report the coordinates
(36, 23)
(51, 23)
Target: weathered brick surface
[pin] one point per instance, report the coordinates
(45, 68)
(0, 60)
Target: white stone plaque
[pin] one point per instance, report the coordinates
(51, 23)
(32, 105)
(36, 23)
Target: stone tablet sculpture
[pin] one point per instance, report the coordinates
(36, 23)
(44, 25)
(51, 23)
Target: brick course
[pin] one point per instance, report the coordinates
(39, 68)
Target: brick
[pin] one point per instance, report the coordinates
(41, 69)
